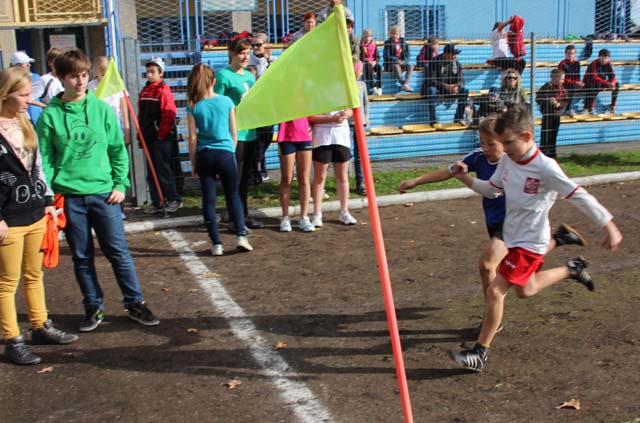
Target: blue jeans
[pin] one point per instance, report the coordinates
(357, 164)
(86, 212)
(432, 98)
(211, 163)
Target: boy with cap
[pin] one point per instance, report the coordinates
(22, 59)
(444, 77)
(157, 118)
(600, 77)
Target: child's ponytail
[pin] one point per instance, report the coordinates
(199, 82)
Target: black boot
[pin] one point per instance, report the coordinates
(566, 235)
(50, 335)
(578, 272)
(17, 352)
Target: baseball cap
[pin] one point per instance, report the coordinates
(21, 58)
(157, 61)
(451, 48)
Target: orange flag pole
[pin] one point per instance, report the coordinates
(381, 255)
(132, 115)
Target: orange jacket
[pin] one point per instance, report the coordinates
(50, 244)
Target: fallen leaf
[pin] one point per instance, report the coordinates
(232, 384)
(281, 345)
(573, 403)
(210, 275)
(408, 204)
(192, 330)
(45, 370)
(165, 289)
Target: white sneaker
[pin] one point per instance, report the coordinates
(285, 224)
(305, 224)
(243, 244)
(346, 218)
(217, 250)
(316, 220)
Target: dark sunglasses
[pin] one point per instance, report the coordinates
(512, 78)
(257, 45)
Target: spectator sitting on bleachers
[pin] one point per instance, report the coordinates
(445, 78)
(370, 57)
(600, 76)
(260, 54)
(324, 13)
(572, 82)
(397, 58)
(427, 52)
(309, 23)
(552, 99)
(511, 91)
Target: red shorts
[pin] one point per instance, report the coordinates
(519, 264)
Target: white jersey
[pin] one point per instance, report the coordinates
(531, 187)
(499, 44)
(331, 133)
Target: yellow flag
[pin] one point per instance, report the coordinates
(313, 76)
(111, 83)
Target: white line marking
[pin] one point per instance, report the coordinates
(307, 408)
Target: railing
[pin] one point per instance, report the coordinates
(43, 13)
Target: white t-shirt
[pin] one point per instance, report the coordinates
(54, 88)
(331, 133)
(499, 44)
(113, 101)
(531, 187)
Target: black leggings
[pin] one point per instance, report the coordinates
(245, 156)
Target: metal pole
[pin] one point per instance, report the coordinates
(533, 73)
(111, 28)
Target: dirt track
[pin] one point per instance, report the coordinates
(320, 294)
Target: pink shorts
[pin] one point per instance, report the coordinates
(519, 264)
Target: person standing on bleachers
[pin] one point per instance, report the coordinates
(572, 82)
(552, 99)
(445, 78)
(324, 13)
(600, 76)
(370, 57)
(397, 58)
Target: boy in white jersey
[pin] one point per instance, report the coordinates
(531, 182)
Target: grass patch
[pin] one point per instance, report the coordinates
(266, 195)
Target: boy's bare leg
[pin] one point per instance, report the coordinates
(542, 280)
(496, 294)
(491, 257)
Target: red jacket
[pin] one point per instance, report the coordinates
(156, 111)
(598, 74)
(515, 37)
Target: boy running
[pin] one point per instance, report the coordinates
(531, 182)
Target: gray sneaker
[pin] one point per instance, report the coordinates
(306, 225)
(173, 206)
(48, 335)
(17, 352)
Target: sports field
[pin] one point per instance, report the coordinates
(295, 331)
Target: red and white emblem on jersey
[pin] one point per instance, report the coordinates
(531, 185)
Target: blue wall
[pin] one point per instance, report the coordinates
(472, 19)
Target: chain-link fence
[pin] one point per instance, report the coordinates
(164, 24)
(617, 18)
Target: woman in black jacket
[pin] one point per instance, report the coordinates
(24, 201)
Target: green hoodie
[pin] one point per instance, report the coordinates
(82, 148)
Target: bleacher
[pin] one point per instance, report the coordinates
(390, 113)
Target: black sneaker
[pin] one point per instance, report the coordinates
(140, 313)
(50, 335)
(93, 316)
(470, 359)
(253, 223)
(566, 235)
(578, 272)
(361, 190)
(17, 352)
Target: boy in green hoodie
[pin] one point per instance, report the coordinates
(85, 159)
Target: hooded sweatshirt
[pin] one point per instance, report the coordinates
(83, 152)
